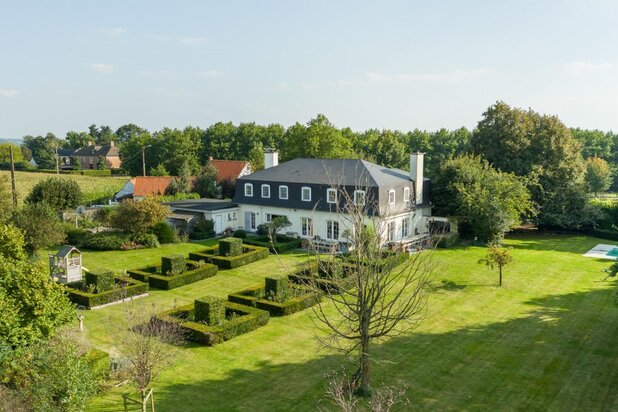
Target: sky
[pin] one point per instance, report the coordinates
(364, 64)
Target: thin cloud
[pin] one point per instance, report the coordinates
(194, 41)
(583, 67)
(454, 76)
(113, 31)
(8, 92)
(103, 68)
(212, 74)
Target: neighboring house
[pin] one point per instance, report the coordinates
(64, 158)
(186, 213)
(88, 156)
(303, 190)
(141, 186)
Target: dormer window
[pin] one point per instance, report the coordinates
(266, 191)
(406, 194)
(283, 192)
(359, 197)
(391, 197)
(306, 194)
(249, 189)
(331, 195)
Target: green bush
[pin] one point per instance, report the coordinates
(255, 297)
(448, 240)
(241, 319)
(240, 234)
(173, 265)
(60, 194)
(106, 241)
(204, 229)
(210, 309)
(262, 230)
(282, 244)
(250, 254)
(148, 240)
(125, 288)
(278, 288)
(76, 236)
(101, 279)
(99, 363)
(159, 281)
(165, 232)
(230, 247)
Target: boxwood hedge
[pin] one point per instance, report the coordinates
(282, 244)
(157, 280)
(124, 287)
(253, 297)
(241, 319)
(250, 254)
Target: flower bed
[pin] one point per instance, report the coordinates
(239, 319)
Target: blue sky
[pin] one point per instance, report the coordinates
(389, 64)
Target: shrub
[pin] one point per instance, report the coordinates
(76, 236)
(60, 194)
(262, 230)
(99, 363)
(298, 299)
(282, 243)
(101, 279)
(125, 288)
(278, 288)
(250, 254)
(240, 234)
(230, 247)
(242, 319)
(204, 229)
(165, 232)
(40, 225)
(160, 281)
(106, 241)
(104, 215)
(173, 265)
(138, 217)
(148, 240)
(210, 309)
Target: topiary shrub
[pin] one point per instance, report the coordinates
(262, 230)
(173, 265)
(278, 288)
(165, 232)
(210, 310)
(240, 234)
(230, 246)
(101, 279)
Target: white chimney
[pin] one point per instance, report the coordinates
(416, 174)
(271, 158)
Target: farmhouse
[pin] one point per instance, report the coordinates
(89, 156)
(308, 191)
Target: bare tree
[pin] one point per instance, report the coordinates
(378, 297)
(148, 344)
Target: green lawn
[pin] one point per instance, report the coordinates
(545, 340)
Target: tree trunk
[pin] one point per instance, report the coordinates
(365, 387)
(500, 270)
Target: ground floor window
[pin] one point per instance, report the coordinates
(250, 221)
(391, 231)
(306, 226)
(405, 227)
(332, 229)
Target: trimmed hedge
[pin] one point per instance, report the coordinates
(278, 286)
(242, 319)
(601, 233)
(102, 279)
(173, 265)
(84, 172)
(210, 309)
(253, 297)
(282, 244)
(99, 363)
(315, 275)
(157, 280)
(250, 254)
(389, 260)
(230, 247)
(127, 288)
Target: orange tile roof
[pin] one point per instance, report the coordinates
(150, 185)
(228, 169)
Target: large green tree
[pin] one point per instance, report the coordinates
(43, 149)
(77, 140)
(40, 225)
(318, 139)
(598, 175)
(178, 148)
(59, 193)
(128, 131)
(131, 153)
(542, 149)
(488, 201)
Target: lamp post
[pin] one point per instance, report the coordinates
(144, 160)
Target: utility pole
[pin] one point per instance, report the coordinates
(57, 165)
(13, 186)
(144, 160)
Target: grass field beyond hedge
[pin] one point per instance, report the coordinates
(546, 340)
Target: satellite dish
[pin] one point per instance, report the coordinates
(80, 210)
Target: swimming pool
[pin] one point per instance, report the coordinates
(613, 252)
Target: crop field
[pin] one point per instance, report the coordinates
(93, 187)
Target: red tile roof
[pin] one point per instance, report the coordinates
(228, 169)
(150, 185)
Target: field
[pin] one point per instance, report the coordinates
(93, 187)
(545, 340)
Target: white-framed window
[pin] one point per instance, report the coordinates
(391, 197)
(252, 224)
(231, 216)
(332, 229)
(406, 194)
(405, 227)
(306, 226)
(331, 195)
(269, 217)
(359, 197)
(266, 191)
(283, 192)
(392, 227)
(306, 194)
(249, 189)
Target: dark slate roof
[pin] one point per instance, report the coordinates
(200, 205)
(92, 150)
(66, 250)
(66, 152)
(348, 172)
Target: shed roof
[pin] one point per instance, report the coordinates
(66, 250)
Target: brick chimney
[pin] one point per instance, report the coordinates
(416, 175)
